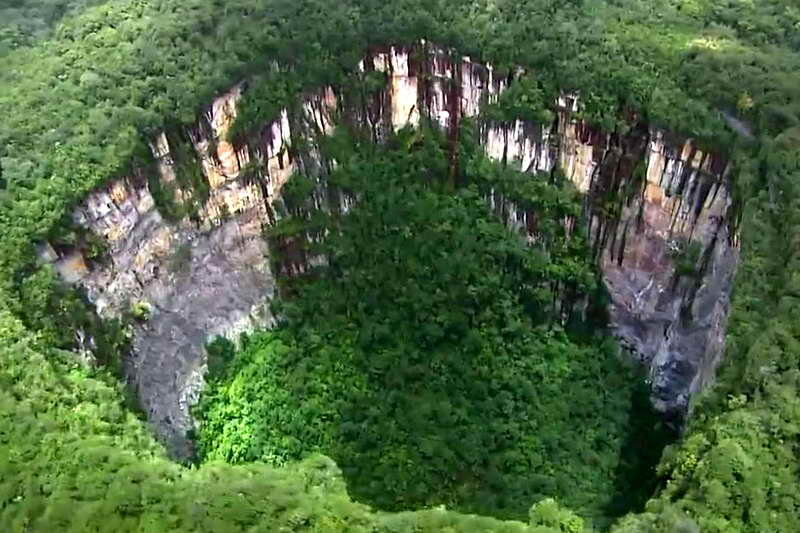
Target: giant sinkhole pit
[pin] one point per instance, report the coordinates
(468, 278)
(399, 267)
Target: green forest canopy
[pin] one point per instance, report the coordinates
(23, 22)
(79, 103)
(427, 358)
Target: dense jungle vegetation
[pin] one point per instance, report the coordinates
(427, 357)
(23, 22)
(83, 85)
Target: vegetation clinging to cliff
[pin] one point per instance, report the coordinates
(80, 106)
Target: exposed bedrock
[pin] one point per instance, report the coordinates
(657, 210)
(196, 283)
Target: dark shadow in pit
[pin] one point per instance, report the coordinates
(635, 478)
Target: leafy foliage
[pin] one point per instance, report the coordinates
(686, 255)
(424, 358)
(523, 100)
(75, 459)
(77, 101)
(80, 104)
(23, 22)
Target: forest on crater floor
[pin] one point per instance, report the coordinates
(436, 356)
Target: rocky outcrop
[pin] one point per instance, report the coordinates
(649, 195)
(196, 283)
(205, 275)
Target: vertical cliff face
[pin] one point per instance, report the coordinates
(204, 275)
(197, 283)
(668, 260)
(656, 209)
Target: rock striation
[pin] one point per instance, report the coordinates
(657, 210)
